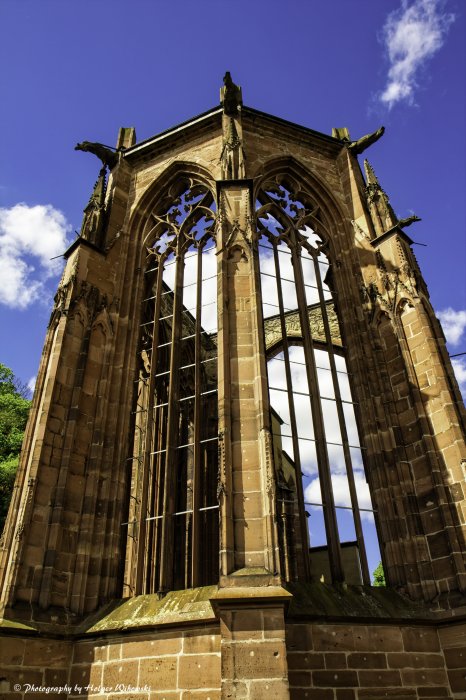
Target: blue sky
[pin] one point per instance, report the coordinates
(74, 71)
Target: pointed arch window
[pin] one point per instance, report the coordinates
(173, 522)
(324, 509)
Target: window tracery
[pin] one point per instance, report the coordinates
(325, 515)
(173, 519)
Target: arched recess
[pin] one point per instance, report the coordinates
(326, 516)
(173, 510)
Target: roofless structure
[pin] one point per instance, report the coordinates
(244, 403)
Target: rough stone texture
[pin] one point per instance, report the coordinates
(375, 661)
(179, 664)
(67, 550)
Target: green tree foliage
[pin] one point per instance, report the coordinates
(379, 576)
(14, 409)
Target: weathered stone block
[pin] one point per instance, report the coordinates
(368, 660)
(334, 638)
(160, 673)
(305, 660)
(335, 679)
(205, 642)
(160, 645)
(413, 660)
(420, 639)
(199, 671)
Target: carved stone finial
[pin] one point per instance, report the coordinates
(94, 213)
(383, 216)
(108, 157)
(371, 177)
(230, 96)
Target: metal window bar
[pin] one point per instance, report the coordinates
(277, 306)
(196, 485)
(322, 505)
(181, 512)
(285, 279)
(335, 444)
(303, 364)
(204, 306)
(301, 393)
(283, 251)
(187, 444)
(185, 398)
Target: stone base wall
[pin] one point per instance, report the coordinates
(324, 661)
(171, 665)
(39, 663)
(365, 662)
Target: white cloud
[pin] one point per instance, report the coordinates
(209, 284)
(459, 367)
(31, 385)
(341, 493)
(412, 35)
(29, 238)
(453, 324)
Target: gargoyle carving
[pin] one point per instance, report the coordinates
(230, 96)
(108, 157)
(357, 147)
(403, 223)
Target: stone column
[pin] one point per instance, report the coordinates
(250, 601)
(248, 535)
(253, 650)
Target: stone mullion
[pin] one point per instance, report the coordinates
(150, 555)
(197, 465)
(225, 485)
(156, 509)
(331, 525)
(171, 462)
(304, 534)
(263, 414)
(148, 443)
(344, 433)
(243, 400)
(134, 496)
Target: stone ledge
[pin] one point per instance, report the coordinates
(303, 602)
(177, 607)
(361, 603)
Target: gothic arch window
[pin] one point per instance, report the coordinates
(325, 514)
(173, 519)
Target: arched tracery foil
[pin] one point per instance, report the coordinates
(173, 522)
(324, 507)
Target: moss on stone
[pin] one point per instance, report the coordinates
(319, 600)
(148, 610)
